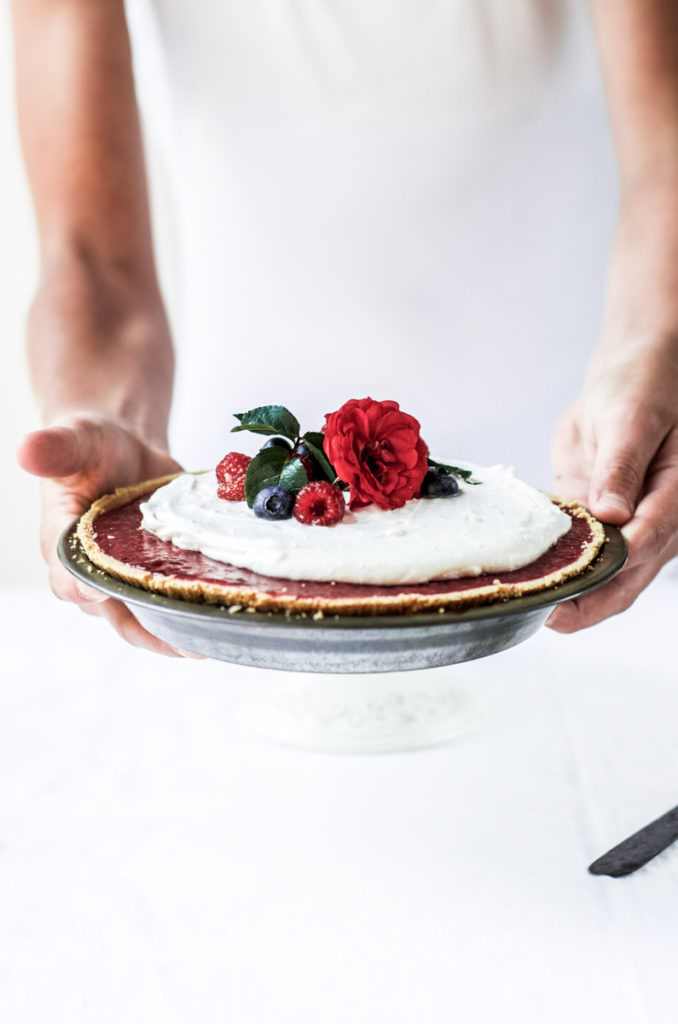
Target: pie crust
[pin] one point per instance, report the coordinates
(111, 534)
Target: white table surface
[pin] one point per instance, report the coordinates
(159, 863)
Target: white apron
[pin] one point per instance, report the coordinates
(411, 200)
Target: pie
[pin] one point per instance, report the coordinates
(114, 539)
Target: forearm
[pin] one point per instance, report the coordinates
(638, 44)
(98, 336)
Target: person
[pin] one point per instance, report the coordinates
(408, 200)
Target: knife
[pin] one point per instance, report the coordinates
(639, 848)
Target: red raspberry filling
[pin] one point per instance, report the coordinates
(119, 534)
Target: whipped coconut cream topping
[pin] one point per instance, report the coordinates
(501, 524)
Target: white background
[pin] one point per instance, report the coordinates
(19, 555)
(159, 863)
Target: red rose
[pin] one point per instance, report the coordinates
(376, 449)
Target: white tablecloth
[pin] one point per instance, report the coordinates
(159, 863)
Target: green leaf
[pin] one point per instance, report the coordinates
(293, 475)
(264, 471)
(269, 419)
(314, 437)
(273, 467)
(314, 440)
(463, 474)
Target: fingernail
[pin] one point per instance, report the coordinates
(614, 503)
(188, 654)
(630, 533)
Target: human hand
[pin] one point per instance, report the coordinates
(616, 451)
(80, 457)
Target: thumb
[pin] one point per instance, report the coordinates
(619, 469)
(57, 451)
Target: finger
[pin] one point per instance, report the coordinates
(625, 447)
(654, 527)
(130, 629)
(66, 587)
(124, 622)
(615, 597)
(57, 451)
(59, 509)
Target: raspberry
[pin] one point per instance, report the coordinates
(319, 504)
(231, 476)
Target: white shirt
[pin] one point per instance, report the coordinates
(407, 200)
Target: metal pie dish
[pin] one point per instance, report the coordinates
(343, 644)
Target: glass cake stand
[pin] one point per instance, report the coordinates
(361, 686)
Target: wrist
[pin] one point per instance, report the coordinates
(69, 258)
(641, 306)
(651, 191)
(98, 340)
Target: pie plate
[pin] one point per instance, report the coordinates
(343, 644)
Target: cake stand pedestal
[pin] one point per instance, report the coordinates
(363, 713)
(350, 683)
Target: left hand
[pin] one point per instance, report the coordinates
(616, 448)
(616, 451)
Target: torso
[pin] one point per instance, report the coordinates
(410, 201)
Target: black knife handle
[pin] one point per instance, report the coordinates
(639, 848)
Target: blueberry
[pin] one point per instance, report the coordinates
(308, 461)
(277, 442)
(274, 503)
(438, 483)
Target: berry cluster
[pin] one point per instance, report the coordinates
(383, 457)
(318, 503)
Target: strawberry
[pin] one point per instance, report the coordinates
(231, 473)
(320, 503)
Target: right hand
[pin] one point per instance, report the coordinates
(79, 458)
